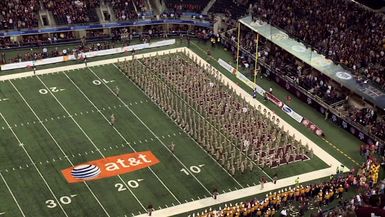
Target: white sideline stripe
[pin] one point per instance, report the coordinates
(37, 169)
(121, 136)
(152, 132)
(89, 139)
(232, 177)
(57, 144)
(238, 194)
(13, 196)
(82, 66)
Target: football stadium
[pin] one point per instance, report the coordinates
(198, 108)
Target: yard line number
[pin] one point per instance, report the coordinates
(194, 169)
(130, 183)
(99, 82)
(52, 89)
(65, 200)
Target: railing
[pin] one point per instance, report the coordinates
(330, 108)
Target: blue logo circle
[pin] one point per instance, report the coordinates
(85, 171)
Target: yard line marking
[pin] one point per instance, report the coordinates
(232, 177)
(89, 139)
(57, 144)
(13, 196)
(121, 136)
(152, 132)
(37, 169)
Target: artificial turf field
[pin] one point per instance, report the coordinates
(49, 117)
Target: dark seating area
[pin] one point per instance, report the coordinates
(186, 5)
(72, 12)
(230, 7)
(125, 9)
(18, 14)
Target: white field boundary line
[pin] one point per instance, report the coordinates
(120, 135)
(323, 155)
(91, 141)
(57, 144)
(232, 177)
(238, 194)
(13, 196)
(33, 163)
(82, 66)
(152, 132)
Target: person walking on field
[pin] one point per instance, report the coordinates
(117, 90)
(172, 147)
(112, 120)
(297, 182)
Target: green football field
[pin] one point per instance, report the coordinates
(51, 122)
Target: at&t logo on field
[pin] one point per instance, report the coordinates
(109, 167)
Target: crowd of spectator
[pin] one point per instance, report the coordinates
(18, 14)
(127, 9)
(72, 12)
(44, 52)
(36, 40)
(343, 31)
(232, 8)
(311, 80)
(369, 197)
(290, 67)
(179, 6)
(370, 119)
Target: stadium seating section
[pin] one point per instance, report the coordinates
(343, 31)
(72, 12)
(18, 14)
(186, 5)
(126, 10)
(230, 7)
